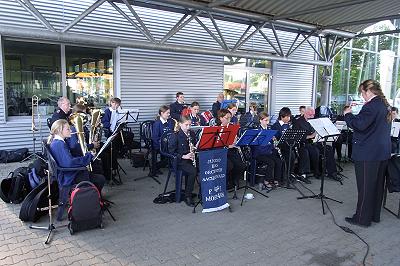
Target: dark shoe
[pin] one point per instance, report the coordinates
(189, 201)
(352, 221)
(158, 172)
(303, 179)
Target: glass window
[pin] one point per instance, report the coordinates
(89, 75)
(258, 90)
(235, 81)
(31, 69)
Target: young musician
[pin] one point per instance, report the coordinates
(63, 111)
(371, 151)
(235, 164)
(110, 117)
(250, 119)
(60, 130)
(177, 107)
(302, 110)
(268, 155)
(182, 147)
(196, 119)
(217, 105)
(232, 108)
(162, 124)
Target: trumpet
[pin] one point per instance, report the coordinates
(192, 149)
(35, 105)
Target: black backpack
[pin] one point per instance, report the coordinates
(14, 155)
(36, 200)
(16, 186)
(138, 159)
(85, 211)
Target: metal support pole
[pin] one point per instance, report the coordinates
(178, 26)
(248, 37)
(217, 29)
(139, 20)
(241, 37)
(270, 43)
(277, 39)
(210, 32)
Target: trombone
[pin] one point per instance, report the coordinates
(35, 105)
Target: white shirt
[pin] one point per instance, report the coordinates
(114, 119)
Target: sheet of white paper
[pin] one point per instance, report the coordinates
(395, 129)
(329, 126)
(318, 126)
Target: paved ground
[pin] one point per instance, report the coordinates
(280, 230)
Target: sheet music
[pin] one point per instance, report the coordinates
(318, 125)
(329, 126)
(394, 132)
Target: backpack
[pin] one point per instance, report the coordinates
(15, 186)
(37, 172)
(31, 208)
(14, 155)
(85, 211)
(138, 159)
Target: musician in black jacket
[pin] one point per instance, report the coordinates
(217, 105)
(183, 147)
(63, 111)
(177, 106)
(371, 151)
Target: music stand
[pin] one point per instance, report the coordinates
(215, 137)
(325, 131)
(291, 137)
(254, 137)
(109, 142)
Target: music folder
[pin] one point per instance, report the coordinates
(217, 137)
(256, 137)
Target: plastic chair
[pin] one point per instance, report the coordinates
(165, 150)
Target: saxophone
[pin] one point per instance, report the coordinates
(77, 120)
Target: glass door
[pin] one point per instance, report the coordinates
(258, 90)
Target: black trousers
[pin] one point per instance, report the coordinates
(313, 153)
(330, 163)
(190, 172)
(97, 179)
(274, 167)
(235, 167)
(370, 186)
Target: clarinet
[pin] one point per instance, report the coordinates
(192, 149)
(276, 142)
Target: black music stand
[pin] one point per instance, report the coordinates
(254, 137)
(109, 142)
(212, 138)
(323, 135)
(291, 137)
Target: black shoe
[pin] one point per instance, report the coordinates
(303, 179)
(189, 201)
(352, 221)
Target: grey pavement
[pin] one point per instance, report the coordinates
(280, 230)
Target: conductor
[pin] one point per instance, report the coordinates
(371, 151)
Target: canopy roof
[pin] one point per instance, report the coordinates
(340, 15)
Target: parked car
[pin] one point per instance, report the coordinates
(353, 100)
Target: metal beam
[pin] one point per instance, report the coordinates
(248, 37)
(220, 3)
(291, 46)
(333, 47)
(247, 16)
(277, 39)
(338, 50)
(80, 39)
(32, 9)
(139, 20)
(377, 33)
(217, 29)
(363, 21)
(130, 21)
(321, 8)
(241, 37)
(315, 49)
(178, 26)
(304, 39)
(210, 32)
(270, 43)
(83, 15)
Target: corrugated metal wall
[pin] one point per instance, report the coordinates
(148, 78)
(2, 105)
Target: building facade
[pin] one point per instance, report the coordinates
(33, 61)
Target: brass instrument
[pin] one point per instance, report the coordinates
(35, 105)
(176, 126)
(77, 120)
(95, 126)
(192, 149)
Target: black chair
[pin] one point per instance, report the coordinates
(146, 130)
(165, 150)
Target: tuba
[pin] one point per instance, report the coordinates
(95, 126)
(78, 121)
(35, 106)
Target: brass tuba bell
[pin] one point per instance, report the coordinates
(95, 126)
(77, 120)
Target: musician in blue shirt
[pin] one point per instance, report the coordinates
(371, 151)
(232, 108)
(250, 119)
(161, 125)
(181, 147)
(217, 105)
(60, 130)
(268, 155)
(196, 119)
(110, 117)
